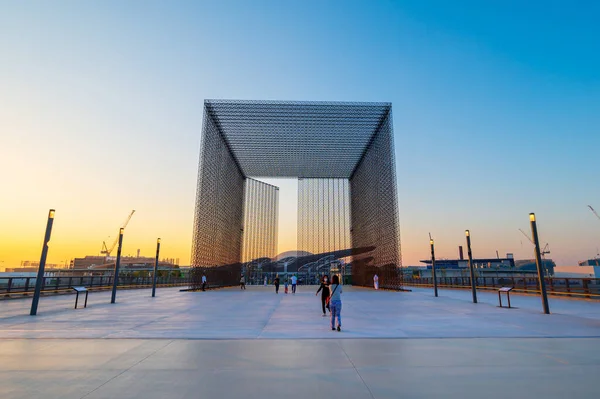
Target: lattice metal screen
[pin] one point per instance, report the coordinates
(297, 139)
(217, 235)
(261, 208)
(323, 215)
(324, 144)
(375, 212)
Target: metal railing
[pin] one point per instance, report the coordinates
(22, 286)
(559, 286)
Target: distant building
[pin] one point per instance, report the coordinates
(529, 265)
(134, 263)
(88, 261)
(32, 269)
(36, 264)
(484, 263)
(592, 262)
(493, 265)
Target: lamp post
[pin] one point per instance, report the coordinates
(539, 264)
(117, 266)
(435, 290)
(155, 268)
(471, 271)
(40, 275)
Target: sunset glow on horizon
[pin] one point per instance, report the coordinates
(496, 115)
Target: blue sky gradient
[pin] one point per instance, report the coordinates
(496, 109)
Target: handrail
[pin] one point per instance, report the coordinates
(557, 286)
(22, 286)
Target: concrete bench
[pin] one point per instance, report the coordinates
(78, 290)
(507, 291)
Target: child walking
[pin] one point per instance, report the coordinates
(335, 303)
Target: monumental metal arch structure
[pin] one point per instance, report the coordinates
(343, 156)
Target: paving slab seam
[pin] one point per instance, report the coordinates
(147, 323)
(124, 371)
(302, 339)
(355, 369)
(270, 316)
(574, 297)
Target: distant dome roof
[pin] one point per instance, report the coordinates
(294, 253)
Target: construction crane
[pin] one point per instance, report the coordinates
(595, 213)
(544, 251)
(598, 216)
(105, 250)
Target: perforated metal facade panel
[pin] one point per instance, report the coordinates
(296, 139)
(331, 146)
(375, 211)
(217, 235)
(323, 215)
(261, 208)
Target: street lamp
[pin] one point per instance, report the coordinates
(435, 290)
(539, 264)
(117, 266)
(40, 275)
(471, 271)
(155, 267)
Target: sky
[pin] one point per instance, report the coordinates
(496, 109)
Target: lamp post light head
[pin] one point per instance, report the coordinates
(467, 233)
(51, 213)
(158, 240)
(532, 217)
(121, 230)
(431, 241)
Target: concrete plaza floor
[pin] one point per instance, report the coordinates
(254, 344)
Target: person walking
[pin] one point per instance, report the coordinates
(276, 282)
(376, 281)
(242, 283)
(265, 281)
(294, 282)
(335, 302)
(285, 285)
(203, 282)
(324, 288)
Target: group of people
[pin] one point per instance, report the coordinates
(330, 295)
(331, 300)
(276, 282)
